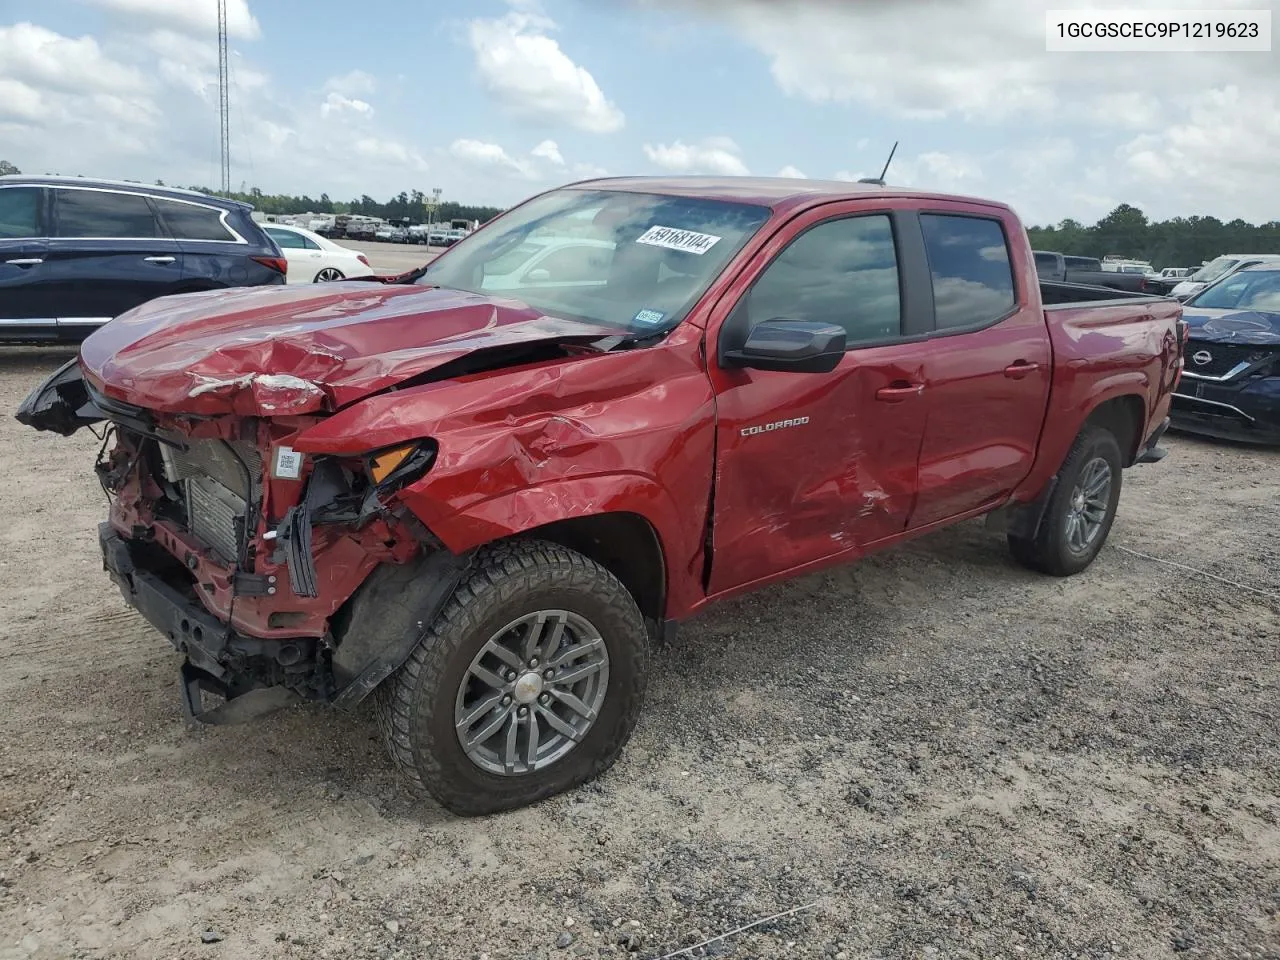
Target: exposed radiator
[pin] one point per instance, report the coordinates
(217, 491)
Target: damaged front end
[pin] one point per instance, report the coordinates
(244, 553)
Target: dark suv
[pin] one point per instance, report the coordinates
(74, 252)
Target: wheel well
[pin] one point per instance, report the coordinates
(626, 545)
(1123, 417)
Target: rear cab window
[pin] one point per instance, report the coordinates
(20, 215)
(971, 270)
(103, 214)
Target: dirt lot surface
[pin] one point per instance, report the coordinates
(936, 752)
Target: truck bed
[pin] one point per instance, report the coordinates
(1056, 293)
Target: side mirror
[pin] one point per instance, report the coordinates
(791, 346)
(538, 275)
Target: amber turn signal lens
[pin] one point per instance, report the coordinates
(382, 465)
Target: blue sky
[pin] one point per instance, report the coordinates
(492, 100)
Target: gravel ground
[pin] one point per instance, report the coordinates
(936, 753)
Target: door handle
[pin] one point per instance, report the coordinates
(899, 391)
(1016, 371)
(159, 259)
(25, 261)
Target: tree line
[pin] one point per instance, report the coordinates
(1180, 242)
(1125, 231)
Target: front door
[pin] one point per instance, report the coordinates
(108, 254)
(989, 368)
(813, 465)
(23, 249)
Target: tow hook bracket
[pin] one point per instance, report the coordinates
(233, 710)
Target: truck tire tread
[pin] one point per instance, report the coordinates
(1047, 552)
(500, 573)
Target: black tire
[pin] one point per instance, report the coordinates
(1051, 552)
(416, 704)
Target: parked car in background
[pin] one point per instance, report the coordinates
(1231, 385)
(1218, 268)
(437, 237)
(384, 234)
(541, 262)
(453, 236)
(75, 252)
(1088, 271)
(313, 259)
(484, 508)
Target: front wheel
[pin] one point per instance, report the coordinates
(1080, 511)
(329, 275)
(528, 683)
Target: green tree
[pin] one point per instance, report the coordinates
(7, 168)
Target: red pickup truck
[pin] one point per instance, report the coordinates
(485, 490)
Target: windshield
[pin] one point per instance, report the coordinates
(1214, 269)
(628, 260)
(1247, 290)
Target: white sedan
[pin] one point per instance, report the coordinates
(312, 258)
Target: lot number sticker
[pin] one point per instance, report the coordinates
(288, 463)
(673, 239)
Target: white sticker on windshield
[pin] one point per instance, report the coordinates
(674, 239)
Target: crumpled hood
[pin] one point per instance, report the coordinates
(293, 350)
(1257, 327)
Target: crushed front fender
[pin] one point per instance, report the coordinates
(61, 404)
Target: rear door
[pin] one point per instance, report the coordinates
(812, 465)
(303, 263)
(989, 366)
(23, 250)
(108, 254)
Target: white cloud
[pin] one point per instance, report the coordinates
(355, 83)
(336, 103)
(192, 16)
(716, 155)
(390, 152)
(791, 172)
(526, 70)
(491, 157)
(50, 61)
(19, 101)
(589, 171)
(548, 150)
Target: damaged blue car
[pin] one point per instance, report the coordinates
(1230, 387)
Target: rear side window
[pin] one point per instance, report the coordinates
(187, 221)
(287, 239)
(843, 272)
(19, 213)
(972, 276)
(1046, 262)
(100, 214)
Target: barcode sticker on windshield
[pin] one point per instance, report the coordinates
(674, 239)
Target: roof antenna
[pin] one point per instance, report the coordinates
(879, 181)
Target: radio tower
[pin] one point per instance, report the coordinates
(224, 101)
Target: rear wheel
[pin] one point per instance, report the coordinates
(328, 275)
(528, 683)
(1081, 510)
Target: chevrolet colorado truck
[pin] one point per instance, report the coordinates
(484, 506)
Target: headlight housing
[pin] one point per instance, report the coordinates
(393, 468)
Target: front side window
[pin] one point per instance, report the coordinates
(1246, 290)
(189, 221)
(842, 272)
(99, 214)
(652, 256)
(1214, 269)
(972, 276)
(19, 213)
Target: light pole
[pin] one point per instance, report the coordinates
(431, 210)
